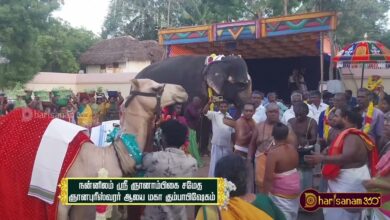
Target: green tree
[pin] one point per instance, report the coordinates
(20, 24)
(356, 17)
(138, 18)
(62, 45)
(385, 38)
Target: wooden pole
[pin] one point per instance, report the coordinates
(321, 60)
(333, 54)
(169, 12)
(361, 82)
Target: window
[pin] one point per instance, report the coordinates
(103, 68)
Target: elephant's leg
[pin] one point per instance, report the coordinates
(63, 212)
(83, 213)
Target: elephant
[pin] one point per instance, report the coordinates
(22, 135)
(227, 77)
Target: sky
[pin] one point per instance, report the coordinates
(90, 14)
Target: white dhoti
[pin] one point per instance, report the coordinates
(217, 152)
(250, 181)
(289, 207)
(349, 180)
(241, 149)
(285, 193)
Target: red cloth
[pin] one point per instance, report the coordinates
(331, 171)
(21, 133)
(383, 166)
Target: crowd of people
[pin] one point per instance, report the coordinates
(271, 152)
(347, 137)
(86, 110)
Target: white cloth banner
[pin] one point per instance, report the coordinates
(99, 133)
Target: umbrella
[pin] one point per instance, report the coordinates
(365, 52)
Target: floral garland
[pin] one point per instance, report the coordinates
(374, 83)
(368, 118)
(212, 58)
(326, 122)
(103, 211)
(224, 189)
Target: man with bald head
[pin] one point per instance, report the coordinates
(262, 136)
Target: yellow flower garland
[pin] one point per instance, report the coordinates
(210, 95)
(368, 118)
(326, 125)
(373, 85)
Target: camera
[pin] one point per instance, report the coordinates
(217, 98)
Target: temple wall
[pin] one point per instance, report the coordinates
(80, 82)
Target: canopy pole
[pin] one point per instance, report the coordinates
(321, 60)
(361, 82)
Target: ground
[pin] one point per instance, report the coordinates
(203, 172)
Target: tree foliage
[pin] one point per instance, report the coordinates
(355, 17)
(20, 24)
(61, 46)
(32, 41)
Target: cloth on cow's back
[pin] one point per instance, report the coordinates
(21, 133)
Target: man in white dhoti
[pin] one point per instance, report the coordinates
(346, 163)
(221, 142)
(281, 178)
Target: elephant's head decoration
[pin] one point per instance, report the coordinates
(229, 78)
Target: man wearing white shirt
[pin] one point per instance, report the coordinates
(221, 142)
(317, 106)
(296, 97)
(257, 99)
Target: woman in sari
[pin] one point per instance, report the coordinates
(242, 205)
(85, 113)
(381, 182)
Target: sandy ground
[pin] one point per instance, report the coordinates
(203, 172)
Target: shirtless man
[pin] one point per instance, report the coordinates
(351, 168)
(305, 129)
(281, 178)
(261, 141)
(262, 135)
(339, 101)
(245, 126)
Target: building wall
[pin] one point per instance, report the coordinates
(93, 69)
(81, 82)
(128, 67)
(136, 66)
